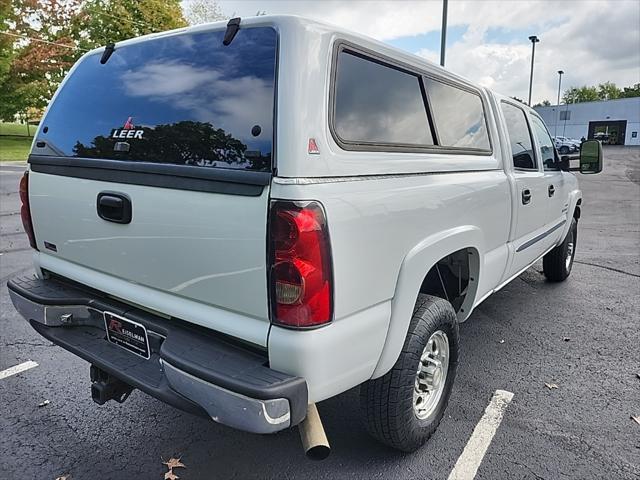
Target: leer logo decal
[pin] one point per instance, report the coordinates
(127, 131)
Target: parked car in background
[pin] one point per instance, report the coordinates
(566, 145)
(185, 246)
(573, 140)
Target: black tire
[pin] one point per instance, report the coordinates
(554, 264)
(564, 150)
(387, 402)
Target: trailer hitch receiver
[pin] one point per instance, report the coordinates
(105, 387)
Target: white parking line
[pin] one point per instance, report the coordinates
(17, 369)
(473, 453)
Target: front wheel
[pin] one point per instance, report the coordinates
(557, 264)
(404, 407)
(564, 150)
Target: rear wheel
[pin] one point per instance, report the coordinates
(564, 150)
(403, 408)
(558, 262)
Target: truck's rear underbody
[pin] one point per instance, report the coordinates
(189, 367)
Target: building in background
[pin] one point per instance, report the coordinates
(614, 122)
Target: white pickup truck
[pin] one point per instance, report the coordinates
(245, 219)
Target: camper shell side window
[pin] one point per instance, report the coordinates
(379, 104)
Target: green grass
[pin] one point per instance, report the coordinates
(16, 129)
(14, 142)
(14, 148)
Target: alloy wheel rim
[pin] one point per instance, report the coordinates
(570, 249)
(431, 376)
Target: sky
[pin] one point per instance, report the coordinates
(487, 40)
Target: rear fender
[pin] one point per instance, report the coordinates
(413, 270)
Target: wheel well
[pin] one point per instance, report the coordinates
(451, 277)
(576, 211)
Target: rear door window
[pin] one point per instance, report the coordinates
(379, 104)
(182, 99)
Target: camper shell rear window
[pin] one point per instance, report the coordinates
(183, 99)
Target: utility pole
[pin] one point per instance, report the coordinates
(534, 40)
(555, 130)
(443, 38)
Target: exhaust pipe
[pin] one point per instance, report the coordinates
(314, 440)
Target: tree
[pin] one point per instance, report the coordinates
(100, 22)
(6, 57)
(580, 94)
(628, 92)
(41, 51)
(203, 11)
(48, 36)
(608, 91)
(182, 143)
(604, 91)
(544, 103)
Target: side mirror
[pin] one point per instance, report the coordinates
(591, 157)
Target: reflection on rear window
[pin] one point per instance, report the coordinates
(183, 99)
(376, 103)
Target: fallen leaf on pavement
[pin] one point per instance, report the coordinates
(502, 341)
(566, 339)
(42, 404)
(174, 463)
(550, 386)
(636, 419)
(64, 477)
(171, 464)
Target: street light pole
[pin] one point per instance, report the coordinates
(555, 130)
(534, 40)
(443, 37)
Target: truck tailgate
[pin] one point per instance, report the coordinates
(207, 247)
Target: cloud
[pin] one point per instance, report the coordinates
(231, 104)
(149, 80)
(431, 55)
(591, 41)
(588, 46)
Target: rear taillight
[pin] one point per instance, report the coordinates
(25, 210)
(300, 274)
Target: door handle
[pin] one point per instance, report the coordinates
(114, 207)
(526, 196)
(552, 190)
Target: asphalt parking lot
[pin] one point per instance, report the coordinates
(582, 335)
